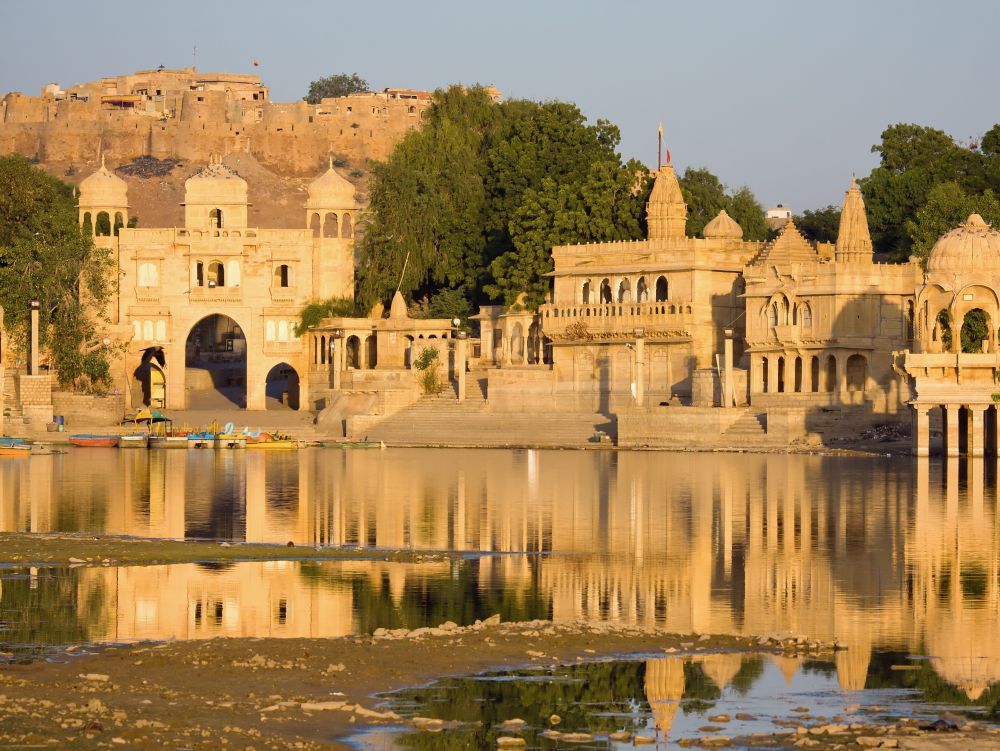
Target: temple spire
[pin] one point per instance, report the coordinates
(854, 241)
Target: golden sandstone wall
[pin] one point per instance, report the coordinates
(198, 115)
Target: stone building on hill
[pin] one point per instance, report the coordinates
(188, 115)
(208, 309)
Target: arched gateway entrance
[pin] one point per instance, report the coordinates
(149, 382)
(282, 387)
(215, 359)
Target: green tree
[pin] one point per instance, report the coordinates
(706, 196)
(975, 329)
(336, 307)
(947, 205)
(913, 160)
(749, 214)
(606, 206)
(45, 257)
(819, 225)
(331, 87)
(456, 205)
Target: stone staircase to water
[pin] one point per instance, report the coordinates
(442, 420)
(752, 426)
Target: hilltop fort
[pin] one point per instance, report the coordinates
(184, 117)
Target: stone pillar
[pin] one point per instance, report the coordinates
(460, 355)
(335, 358)
(640, 371)
(921, 430)
(33, 362)
(976, 432)
(728, 385)
(951, 429)
(772, 374)
(756, 376)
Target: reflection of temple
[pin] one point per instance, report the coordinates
(831, 548)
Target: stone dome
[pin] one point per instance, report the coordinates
(973, 246)
(215, 184)
(331, 190)
(723, 227)
(104, 188)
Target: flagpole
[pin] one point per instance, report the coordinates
(659, 147)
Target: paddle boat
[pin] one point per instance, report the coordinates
(227, 439)
(14, 447)
(270, 441)
(161, 430)
(202, 440)
(88, 440)
(133, 441)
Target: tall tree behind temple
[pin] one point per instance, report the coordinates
(914, 160)
(819, 225)
(706, 196)
(474, 200)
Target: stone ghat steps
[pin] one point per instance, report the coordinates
(443, 421)
(750, 425)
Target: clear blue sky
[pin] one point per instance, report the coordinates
(785, 96)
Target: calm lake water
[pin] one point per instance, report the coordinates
(880, 553)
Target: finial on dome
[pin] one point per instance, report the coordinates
(854, 182)
(975, 220)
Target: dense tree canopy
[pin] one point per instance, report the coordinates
(706, 196)
(45, 257)
(334, 86)
(474, 201)
(914, 161)
(947, 205)
(819, 225)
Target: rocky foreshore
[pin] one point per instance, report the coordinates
(253, 693)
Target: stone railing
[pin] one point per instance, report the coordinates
(616, 320)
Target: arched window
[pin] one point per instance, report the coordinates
(149, 275)
(282, 331)
(102, 226)
(233, 273)
(216, 274)
(831, 374)
(772, 314)
(662, 291)
(353, 352)
(315, 225)
(910, 327)
(161, 331)
(585, 293)
(215, 218)
(806, 316)
(346, 229)
(87, 224)
(282, 276)
(330, 225)
(641, 290)
(322, 350)
(624, 291)
(199, 274)
(269, 331)
(605, 291)
(942, 330)
(975, 330)
(119, 222)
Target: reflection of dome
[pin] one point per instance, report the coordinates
(973, 246)
(723, 227)
(331, 190)
(103, 188)
(215, 184)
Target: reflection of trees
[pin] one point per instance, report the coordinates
(928, 682)
(46, 609)
(579, 694)
(425, 596)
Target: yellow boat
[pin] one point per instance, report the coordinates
(281, 443)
